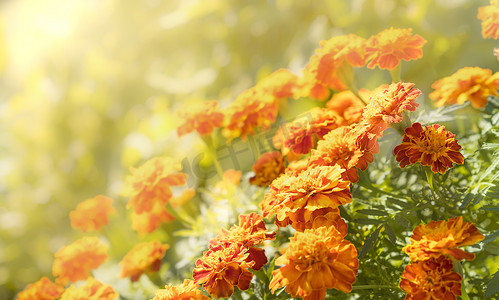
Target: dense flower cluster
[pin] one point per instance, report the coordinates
(92, 213)
(490, 19)
(188, 290)
(91, 290)
(267, 168)
(202, 119)
(142, 258)
(348, 106)
(43, 289)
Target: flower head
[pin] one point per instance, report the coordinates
(43, 289)
(431, 146)
(150, 183)
(294, 198)
(148, 221)
(187, 291)
(431, 279)
(223, 267)
(469, 83)
(267, 168)
(349, 106)
(490, 19)
(75, 261)
(442, 238)
(280, 84)
(316, 260)
(387, 105)
(250, 232)
(91, 290)
(144, 257)
(92, 213)
(202, 119)
(388, 47)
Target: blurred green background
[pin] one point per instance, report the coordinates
(89, 88)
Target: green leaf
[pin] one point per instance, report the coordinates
(492, 248)
(402, 221)
(390, 233)
(365, 221)
(372, 212)
(402, 204)
(493, 285)
(271, 268)
(370, 241)
(490, 208)
(491, 237)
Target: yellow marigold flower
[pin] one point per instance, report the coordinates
(250, 232)
(347, 146)
(302, 134)
(322, 72)
(296, 167)
(294, 198)
(150, 183)
(91, 290)
(388, 47)
(202, 119)
(469, 83)
(223, 267)
(387, 105)
(75, 261)
(431, 279)
(281, 84)
(187, 291)
(144, 257)
(43, 289)
(148, 221)
(348, 106)
(442, 238)
(267, 168)
(490, 19)
(316, 260)
(92, 213)
(431, 146)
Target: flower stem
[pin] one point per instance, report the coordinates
(345, 72)
(368, 287)
(395, 73)
(212, 153)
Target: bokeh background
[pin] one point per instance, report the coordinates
(91, 87)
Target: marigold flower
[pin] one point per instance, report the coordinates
(187, 291)
(281, 84)
(490, 19)
(442, 238)
(469, 83)
(91, 290)
(431, 279)
(223, 267)
(329, 217)
(229, 183)
(294, 198)
(387, 105)
(143, 258)
(150, 183)
(347, 146)
(75, 261)
(302, 134)
(92, 213)
(203, 119)
(316, 260)
(43, 289)
(431, 146)
(267, 168)
(388, 47)
(348, 106)
(148, 221)
(250, 232)
(296, 167)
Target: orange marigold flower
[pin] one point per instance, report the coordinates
(490, 19)
(322, 72)
(431, 146)
(250, 232)
(281, 84)
(294, 198)
(92, 213)
(75, 261)
(316, 260)
(202, 119)
(296, 167)
(469, 83)
(387, 105)
(348, 106)
(267, 168)
(223, 267)
(43, 289)
(91, 290)
(442, 238)
(143, 258)
(150, 183)
(349, 147)
(431, 279)
(148, 221)
(388, 47)
(302, 134)
(187, 291)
